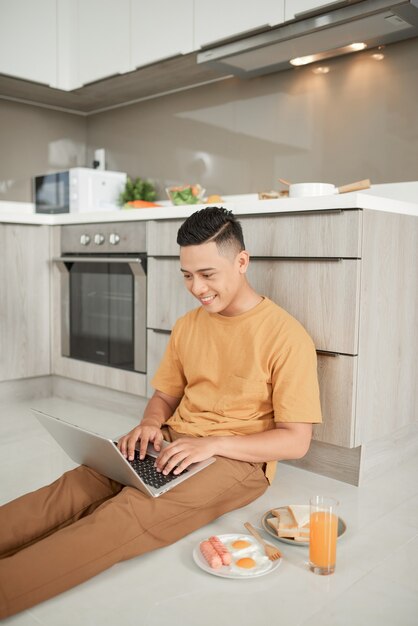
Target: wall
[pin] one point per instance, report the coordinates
(35, 140)
(359, 120)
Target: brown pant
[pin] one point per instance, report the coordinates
(65, 533)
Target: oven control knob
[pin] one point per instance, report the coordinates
(98, 239)
(85, 240)
(114, 239)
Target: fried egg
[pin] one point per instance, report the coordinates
(248, 558)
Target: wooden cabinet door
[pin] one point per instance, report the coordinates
(167, 297)
(314, 234)
(337, 384)
(321, 294)
(156, 344)
(24, 301)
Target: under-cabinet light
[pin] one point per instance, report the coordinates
(327, 54)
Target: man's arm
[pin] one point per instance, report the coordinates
(288, 440)
(158, 410)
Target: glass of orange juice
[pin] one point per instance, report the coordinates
(323, 530)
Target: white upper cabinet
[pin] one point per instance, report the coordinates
(160, 29)
(294, 7)
(28, 40)
(219, 19)
(103, 39)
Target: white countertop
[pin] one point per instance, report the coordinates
(392, 198)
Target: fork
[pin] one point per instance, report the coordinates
(272, 552)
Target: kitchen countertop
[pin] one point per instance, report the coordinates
(394, 198)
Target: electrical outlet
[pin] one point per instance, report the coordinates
(99, 162)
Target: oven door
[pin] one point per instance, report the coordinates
(103, 310)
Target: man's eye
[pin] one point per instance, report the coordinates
(207, 275)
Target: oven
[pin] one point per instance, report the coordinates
(103, 291)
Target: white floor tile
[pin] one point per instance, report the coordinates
(372, 601)
(374, 583)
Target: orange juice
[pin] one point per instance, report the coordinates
(323, 541)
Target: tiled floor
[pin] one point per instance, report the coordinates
(375, 581)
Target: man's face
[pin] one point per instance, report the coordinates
(216, 280)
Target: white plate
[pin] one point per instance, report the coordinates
(255, 551)
(342, 527)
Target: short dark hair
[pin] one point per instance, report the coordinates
(212, 224)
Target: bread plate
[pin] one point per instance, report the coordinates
(342, 527)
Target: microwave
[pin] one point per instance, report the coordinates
(77, 190)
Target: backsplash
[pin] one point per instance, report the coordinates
(358, 120)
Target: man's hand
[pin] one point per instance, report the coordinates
(159, 408)
(179, 454)
(148, 431)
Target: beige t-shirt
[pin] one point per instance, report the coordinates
(239, 375)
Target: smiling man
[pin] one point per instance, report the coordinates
(238, 381)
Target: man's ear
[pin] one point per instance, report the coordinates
(243, 259)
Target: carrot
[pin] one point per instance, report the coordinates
(140, 204)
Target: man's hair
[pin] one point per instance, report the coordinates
(212, 224)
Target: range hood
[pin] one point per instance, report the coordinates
(372, 22)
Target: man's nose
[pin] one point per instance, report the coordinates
(198, 287)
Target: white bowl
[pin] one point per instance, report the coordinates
(301, 190)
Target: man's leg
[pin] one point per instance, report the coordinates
(124, 526)
(36, 515)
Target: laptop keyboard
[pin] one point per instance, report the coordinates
(146, 470)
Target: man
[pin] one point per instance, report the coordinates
(238, 380)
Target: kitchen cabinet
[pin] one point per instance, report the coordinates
(216, 20)
(103, 42)
(160, 29)
(157, 341)
(294, 7)
(24, 301)
(321, 294)
(28, 40)
(349, 277)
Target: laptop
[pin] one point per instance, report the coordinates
(101, 454)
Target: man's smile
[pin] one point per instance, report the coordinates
(207, 299)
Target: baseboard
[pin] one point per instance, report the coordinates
(25, 389)
(332, 461)
(100, 397)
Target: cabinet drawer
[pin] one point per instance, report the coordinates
(322, 295)
(336, 375)
(337, 384)
(311, 234)
(168, 298)
(162, 237)
(156, 344)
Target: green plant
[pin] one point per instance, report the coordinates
(137, 189)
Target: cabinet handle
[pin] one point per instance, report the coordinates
(96, 259)
(327, 353)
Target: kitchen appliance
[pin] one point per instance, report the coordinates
(303, 190)
(78, 190)
(103, 294)
(327, 30)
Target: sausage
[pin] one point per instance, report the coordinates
(210, 554)
(221, 549)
